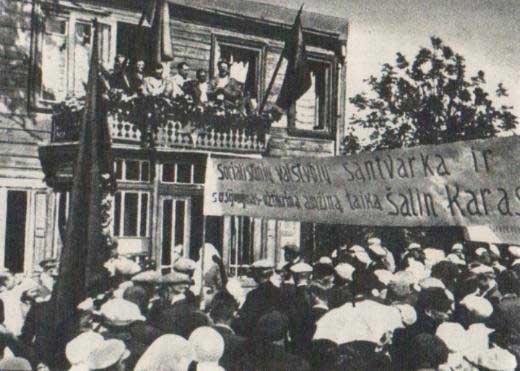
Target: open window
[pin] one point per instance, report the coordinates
(246, 59)
(63, 54)
(314, 113)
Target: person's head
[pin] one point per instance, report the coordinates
(185, 265)
(319, 295)
(176, 283)
(78, 349)
(223, 307)
(272, 327)
(427, 352)
(508, 282)
(486, 278)
(158, 71)
(208, 345)
(120, 313)
(448, 272)
(183, 69)
(15, 363)
(291, 252)
(436, 302)
(137, 295)
(202, 75)
(7, 281)
(140, 66)
(223, 68)
(343, 273)
(119, 62)
(474, 309)
(301, 273)
(166, 353)
(261, 270)
(323, 354)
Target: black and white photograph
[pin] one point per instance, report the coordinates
(259, 185)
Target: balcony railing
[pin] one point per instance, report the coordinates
(171, 126)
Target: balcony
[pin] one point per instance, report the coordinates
(171, 124)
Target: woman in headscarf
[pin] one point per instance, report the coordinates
(167, 353)
(211, 268)
(208, 346)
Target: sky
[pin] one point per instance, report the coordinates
(485, 32)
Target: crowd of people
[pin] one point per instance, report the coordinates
(361, 308)
(140, 80)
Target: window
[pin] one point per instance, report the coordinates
(132, 170)
(131, 214)
(15, 224)
(175, 228)
(182, 172)
(313, 113)
(66, 46)
(246, 59)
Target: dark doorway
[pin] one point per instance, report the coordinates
(132, 41)
(15, 230)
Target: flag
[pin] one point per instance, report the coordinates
(85, 248)
(297, 79)
(160, 44)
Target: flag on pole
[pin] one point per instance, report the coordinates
(297, 79)
(158, 16)
(85, 246)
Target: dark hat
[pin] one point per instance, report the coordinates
(272, 326)
(49, 263)
(434, 298)
(292, 247)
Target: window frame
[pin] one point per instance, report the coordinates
(71, 16)
(258, 46)
(121, 217)
(123, 178)
(331, 104)
(176, 172)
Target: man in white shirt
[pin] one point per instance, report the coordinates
(199, 88)
(179, 79)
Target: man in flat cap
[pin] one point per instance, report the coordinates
(292, 256)
(264, 298)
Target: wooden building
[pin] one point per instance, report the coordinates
(45, 49)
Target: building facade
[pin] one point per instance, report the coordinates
(46, 47)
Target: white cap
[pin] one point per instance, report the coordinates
(126, 266)
(363, 257)
(494, 250)
(514, 251)
(301, 268)
(482, 269)
(207, 343)
(454, 335)
(414, 246)
(150, 276)
(374, 241)
(325, 260)
(433, 256)
(480, 251)
(477, 305)
(262, 264)
(384, 276)
(408, 313)
(456, 259)
(377, 250)
(457, 247)
(515, 262)
(184, 265)
(494, 359)
(121, 312)
(356, 248)
(107, 354)
(430, 282)
(79, 348)
(345, 271)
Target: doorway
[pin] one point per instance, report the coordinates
(174, 216)
(16, 220)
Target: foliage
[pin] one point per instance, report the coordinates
(429, 100)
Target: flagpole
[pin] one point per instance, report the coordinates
(275, 73)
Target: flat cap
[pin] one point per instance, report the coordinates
(301, 268)
(481, 251)
(413, 246)
(79, 348)
(207, 343)
(109, 353)
(121, 312)
(48, 263)
(482, 269)
(457, 247)
(356, 248)
(150, 276)
(126, 266)
(377, 250)
(345, 271)
(477, 305)
(184, 265)
(494, 250)
(514, 251)
(494, 359)
(429, 282)
(325, 260)
(374, 241)
(262, 264)
(176, 278)
(384, 276)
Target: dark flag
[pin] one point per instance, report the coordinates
(158, 16)
(297, 79)
(86, 245)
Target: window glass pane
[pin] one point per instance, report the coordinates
(145, 171)
(168, 173)
(117, 213)
(183, 172)
(243, 66)
(144, 214)
(310, 108)
(118, 165)
(179, 222)
(132, 170)
(167, 232)
(82, 47)
(54, 60)
(130, 214)
(199, 174)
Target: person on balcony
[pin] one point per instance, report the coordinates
(137, 77)
(119, 79)
(225, 88)
(178, 81)
(198, 89)
(156, 84)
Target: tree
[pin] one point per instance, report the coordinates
(428, 101)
